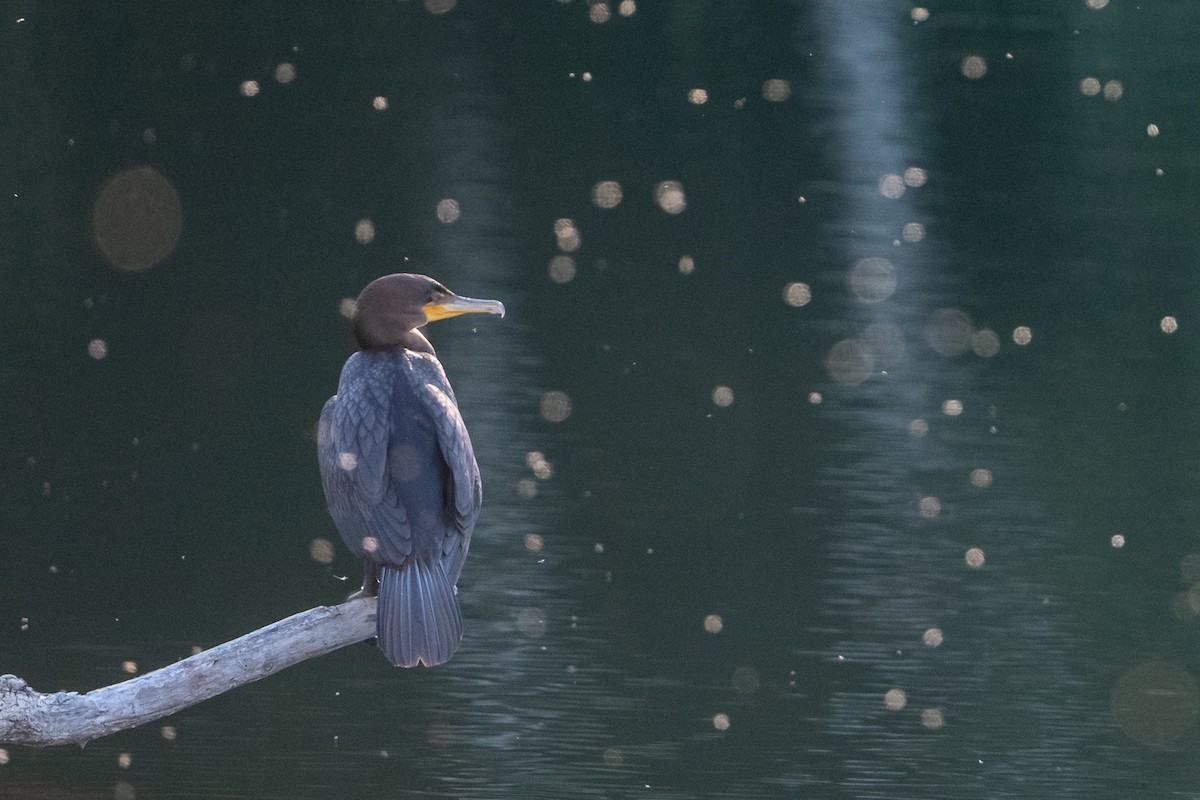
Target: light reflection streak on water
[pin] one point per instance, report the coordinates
(519, 701)
(1000, 678)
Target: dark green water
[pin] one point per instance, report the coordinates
(166, 496)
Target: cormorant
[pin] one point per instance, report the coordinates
(399, 473)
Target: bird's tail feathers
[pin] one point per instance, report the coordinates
(418, 618)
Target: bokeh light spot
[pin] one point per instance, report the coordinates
(932, 718)
(137, 219)
(536, 461)
(1117, 541)
(533, 542)
(566, 235)
(850, 362)
(285, 73)
(697, 97)
(687, 265)
(129, 667)
(1152, 130)
(815, 398)
(913, 232)
(1113, 90)
(124, 760)
(97, 349)
(974, 67)
(531, 622)
(448, 210)
(562, 269)
(915, 177)
(918, 428)
(168, 732)
(1089, 87)
(895, 700)
(440, 6)
(1186, 605)
(892, 186)
(380, 103)
(347, 307)
(555, 406)
(746, 680)
(797, 294)
(249, 88)
(985, 343)
(627, 8)
(607, 194)
(952, 407)
(919, 14)
(932, 637)
(949, 332)
(981, 478)
(364, 231)
(776, 90)
(321, 550)
(929, 507)
(670, 197)
(714, 624)
(722, 397)
(974, 558)
(1022, 335)
(599, 13)
(1155, 703)
(1168, 324)
(873, 280)
(721, 722)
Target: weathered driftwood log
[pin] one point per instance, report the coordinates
(31, 718)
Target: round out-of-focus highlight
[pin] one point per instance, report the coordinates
(850, 362)
(873, 280)
(949, 332)
(1156, 703)
(797, 294)
(555, 406)
(670, 197)
(136, 219)
(562, 269)
(607, 194)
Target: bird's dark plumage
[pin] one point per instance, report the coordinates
(398, 469)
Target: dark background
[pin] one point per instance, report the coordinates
(166, 496)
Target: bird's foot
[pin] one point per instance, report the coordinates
(370, 585)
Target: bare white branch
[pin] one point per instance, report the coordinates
(31, 718)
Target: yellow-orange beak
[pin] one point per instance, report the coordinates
(461, 305)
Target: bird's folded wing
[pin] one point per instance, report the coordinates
(352, 441)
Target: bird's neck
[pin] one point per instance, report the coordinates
(415, 340)
(412, 340)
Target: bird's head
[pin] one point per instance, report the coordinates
(392, 306)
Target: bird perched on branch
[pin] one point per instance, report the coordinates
(398, 469)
